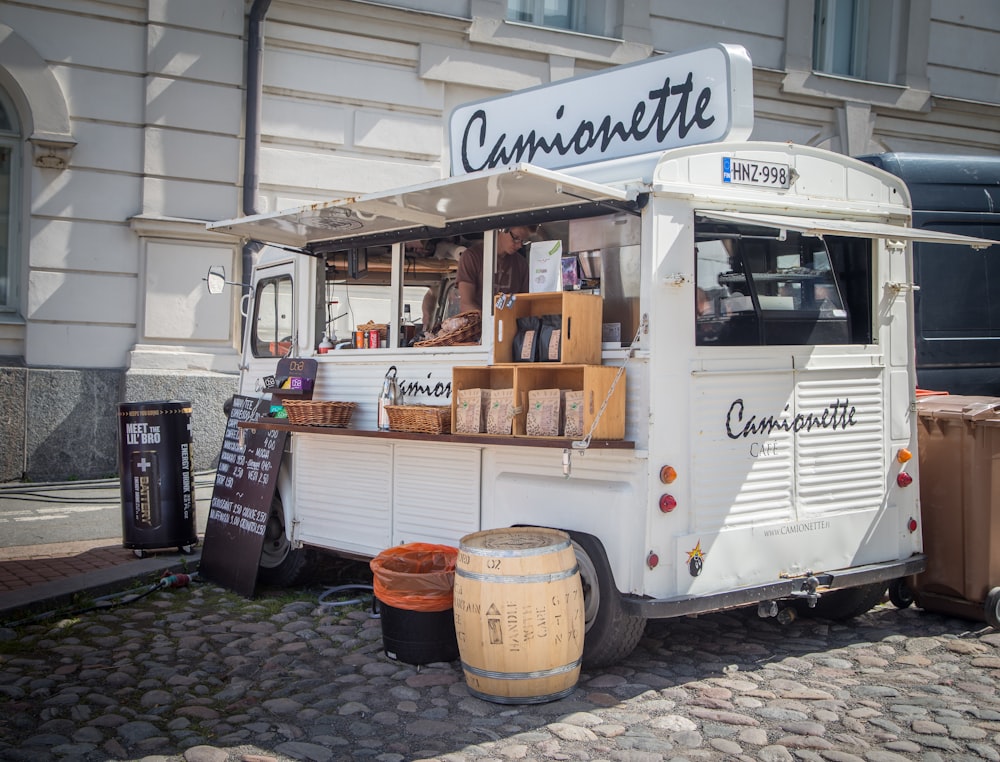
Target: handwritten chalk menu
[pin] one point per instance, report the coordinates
(241, 499)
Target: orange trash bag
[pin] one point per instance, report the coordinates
(417, 576)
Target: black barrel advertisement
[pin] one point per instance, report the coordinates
(156, 482)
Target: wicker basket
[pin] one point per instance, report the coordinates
(319, 413)
(426, 419)
(470, 333)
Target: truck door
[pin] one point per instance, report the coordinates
(271, 326)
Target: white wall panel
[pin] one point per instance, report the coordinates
(97, 246)
(196, 55)
(224, 16)
(193, 105)
(392, 132)
(344, 79)
(78, 37)
(107, 147)
(102, 96)
(85, 194)
(352, 175)
(78, 346)
(178, 306)
(313, 121)
(81, 297)
(190, 200)
(189, 155)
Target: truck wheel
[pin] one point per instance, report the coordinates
(847, 603)
(280, 564)
(611, 634)
(900, 593)
(993, 608)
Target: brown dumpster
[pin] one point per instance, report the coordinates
(959, 457)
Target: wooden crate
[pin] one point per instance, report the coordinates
(478, 377)
(594, 380)
(581, 324)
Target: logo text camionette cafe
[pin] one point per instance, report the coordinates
(701, 96)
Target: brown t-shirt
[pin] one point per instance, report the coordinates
(511, 276)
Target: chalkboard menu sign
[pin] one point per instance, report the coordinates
(241, 499)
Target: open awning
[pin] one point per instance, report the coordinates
(504, 191)
(817, 227)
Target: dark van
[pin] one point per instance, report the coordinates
(957, 308)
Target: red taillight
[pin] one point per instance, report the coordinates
(652, 560)
(903, 479)
(912, 525)
(667, 503)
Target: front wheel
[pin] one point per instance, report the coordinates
(611, 633)
(280, 564)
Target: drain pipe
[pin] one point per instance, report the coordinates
(251, 141)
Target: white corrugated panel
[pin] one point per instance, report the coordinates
(436, 492)
(841, 468)
(343, 493)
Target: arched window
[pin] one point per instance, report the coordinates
(10, 153)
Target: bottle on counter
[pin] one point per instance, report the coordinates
(325, 345)
(388, 396)
(409, 329)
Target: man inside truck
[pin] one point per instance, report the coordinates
(511, 276)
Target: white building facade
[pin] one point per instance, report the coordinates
(126, 125)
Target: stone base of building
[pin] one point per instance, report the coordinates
(62, 424)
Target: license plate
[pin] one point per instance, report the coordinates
(744, 172)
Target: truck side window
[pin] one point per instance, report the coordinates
(755, 288)
(272, 319)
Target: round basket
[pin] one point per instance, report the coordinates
(319, 413)
(469, 332)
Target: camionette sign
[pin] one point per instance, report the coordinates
(699, 96)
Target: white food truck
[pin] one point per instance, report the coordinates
(737, 314)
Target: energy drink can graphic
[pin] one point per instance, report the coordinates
(145, 476)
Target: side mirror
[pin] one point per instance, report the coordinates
(216, 279)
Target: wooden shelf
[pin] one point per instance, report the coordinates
(279, 424)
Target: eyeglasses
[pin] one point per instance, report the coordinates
(517, 239)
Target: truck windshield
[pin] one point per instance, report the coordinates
(756, 288)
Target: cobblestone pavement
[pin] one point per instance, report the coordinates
(203, 675)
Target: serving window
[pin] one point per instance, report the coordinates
(758, 286)
(598, 254)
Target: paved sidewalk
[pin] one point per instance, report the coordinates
(50, 575)
(41, 569)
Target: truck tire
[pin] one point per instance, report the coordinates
(281, 565)
(611, 634)
(847, 603)
(901, 593)
(991, 608)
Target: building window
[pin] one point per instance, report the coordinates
(558, 14)
(858, 38)
(9, 161)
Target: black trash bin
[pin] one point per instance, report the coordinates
(157, 486)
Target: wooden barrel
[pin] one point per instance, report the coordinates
(519, 614)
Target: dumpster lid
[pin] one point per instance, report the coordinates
(956, 406)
